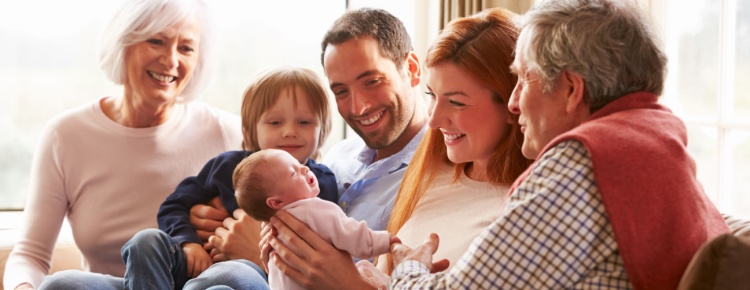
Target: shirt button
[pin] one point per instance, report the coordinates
(343, 204)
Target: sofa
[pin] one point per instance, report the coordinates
(715, 264)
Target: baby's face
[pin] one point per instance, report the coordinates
(293, 181)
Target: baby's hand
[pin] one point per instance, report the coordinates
(198, 260)
(394, 239)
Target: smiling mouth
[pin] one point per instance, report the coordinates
(373, 119)
(162, 78)
(453, 136)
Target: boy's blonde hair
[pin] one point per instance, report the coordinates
(264, 93)
(252, 188)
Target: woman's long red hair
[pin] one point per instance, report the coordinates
(482, 46)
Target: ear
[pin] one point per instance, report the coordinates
(275, 203)
(575, 85)
(413, 69)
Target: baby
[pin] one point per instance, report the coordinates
(272, 179)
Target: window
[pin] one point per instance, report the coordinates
(48, 64)
(708, 46)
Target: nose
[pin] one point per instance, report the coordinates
(513, 102)
(360, 103)
(169, 56)
(438, 116)
(289, 130)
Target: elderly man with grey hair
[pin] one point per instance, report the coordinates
(612, 201)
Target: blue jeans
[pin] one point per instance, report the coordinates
(75, 279)
(232, 274)
(154, 261)
(156, 257)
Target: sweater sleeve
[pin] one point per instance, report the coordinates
(44, 212)
(326, 181)
(344, 233)
(215, 179)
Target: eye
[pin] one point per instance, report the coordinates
(274, 123)
(431, 94)
(155, 41)
(457, 104)
(306, 122)
(340, 93)
(372, 82)
(187, 48)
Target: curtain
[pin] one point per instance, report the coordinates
(452, 9)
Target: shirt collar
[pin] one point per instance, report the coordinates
(396, 161)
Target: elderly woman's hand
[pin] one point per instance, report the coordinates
(309, 260)
(237, 239)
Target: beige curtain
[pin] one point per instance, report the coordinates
(452, 9)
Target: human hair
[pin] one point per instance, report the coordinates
(482, 47)
(610, 44)
(252, 188)
(138, 20)
(393, 39)
(264, 92)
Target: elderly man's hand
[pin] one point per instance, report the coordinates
(423, 254)
(372, 275)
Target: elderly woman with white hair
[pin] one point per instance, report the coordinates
(108, 165)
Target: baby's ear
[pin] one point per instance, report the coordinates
(274, 203)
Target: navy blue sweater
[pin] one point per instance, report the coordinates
(215, 179)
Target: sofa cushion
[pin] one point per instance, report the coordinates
(722, 263)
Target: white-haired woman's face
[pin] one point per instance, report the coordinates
(159, 68)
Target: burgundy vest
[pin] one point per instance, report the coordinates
(656, 206)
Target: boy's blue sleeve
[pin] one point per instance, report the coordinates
(215, 179)
(326, 181)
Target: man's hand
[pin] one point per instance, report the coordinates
(207, 217)
(423, 254)
(309, 259)
(197, 259)
(237, 238)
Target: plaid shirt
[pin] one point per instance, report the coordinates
(554, 235)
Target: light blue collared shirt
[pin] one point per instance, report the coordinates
(368, 190)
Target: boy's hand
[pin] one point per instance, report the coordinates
(197, 258)
(207, 217)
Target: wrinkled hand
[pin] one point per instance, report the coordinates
(237, 239)
(197, 259)
(423, 254)
(309, 259)
(373, 275)
(206, 218)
